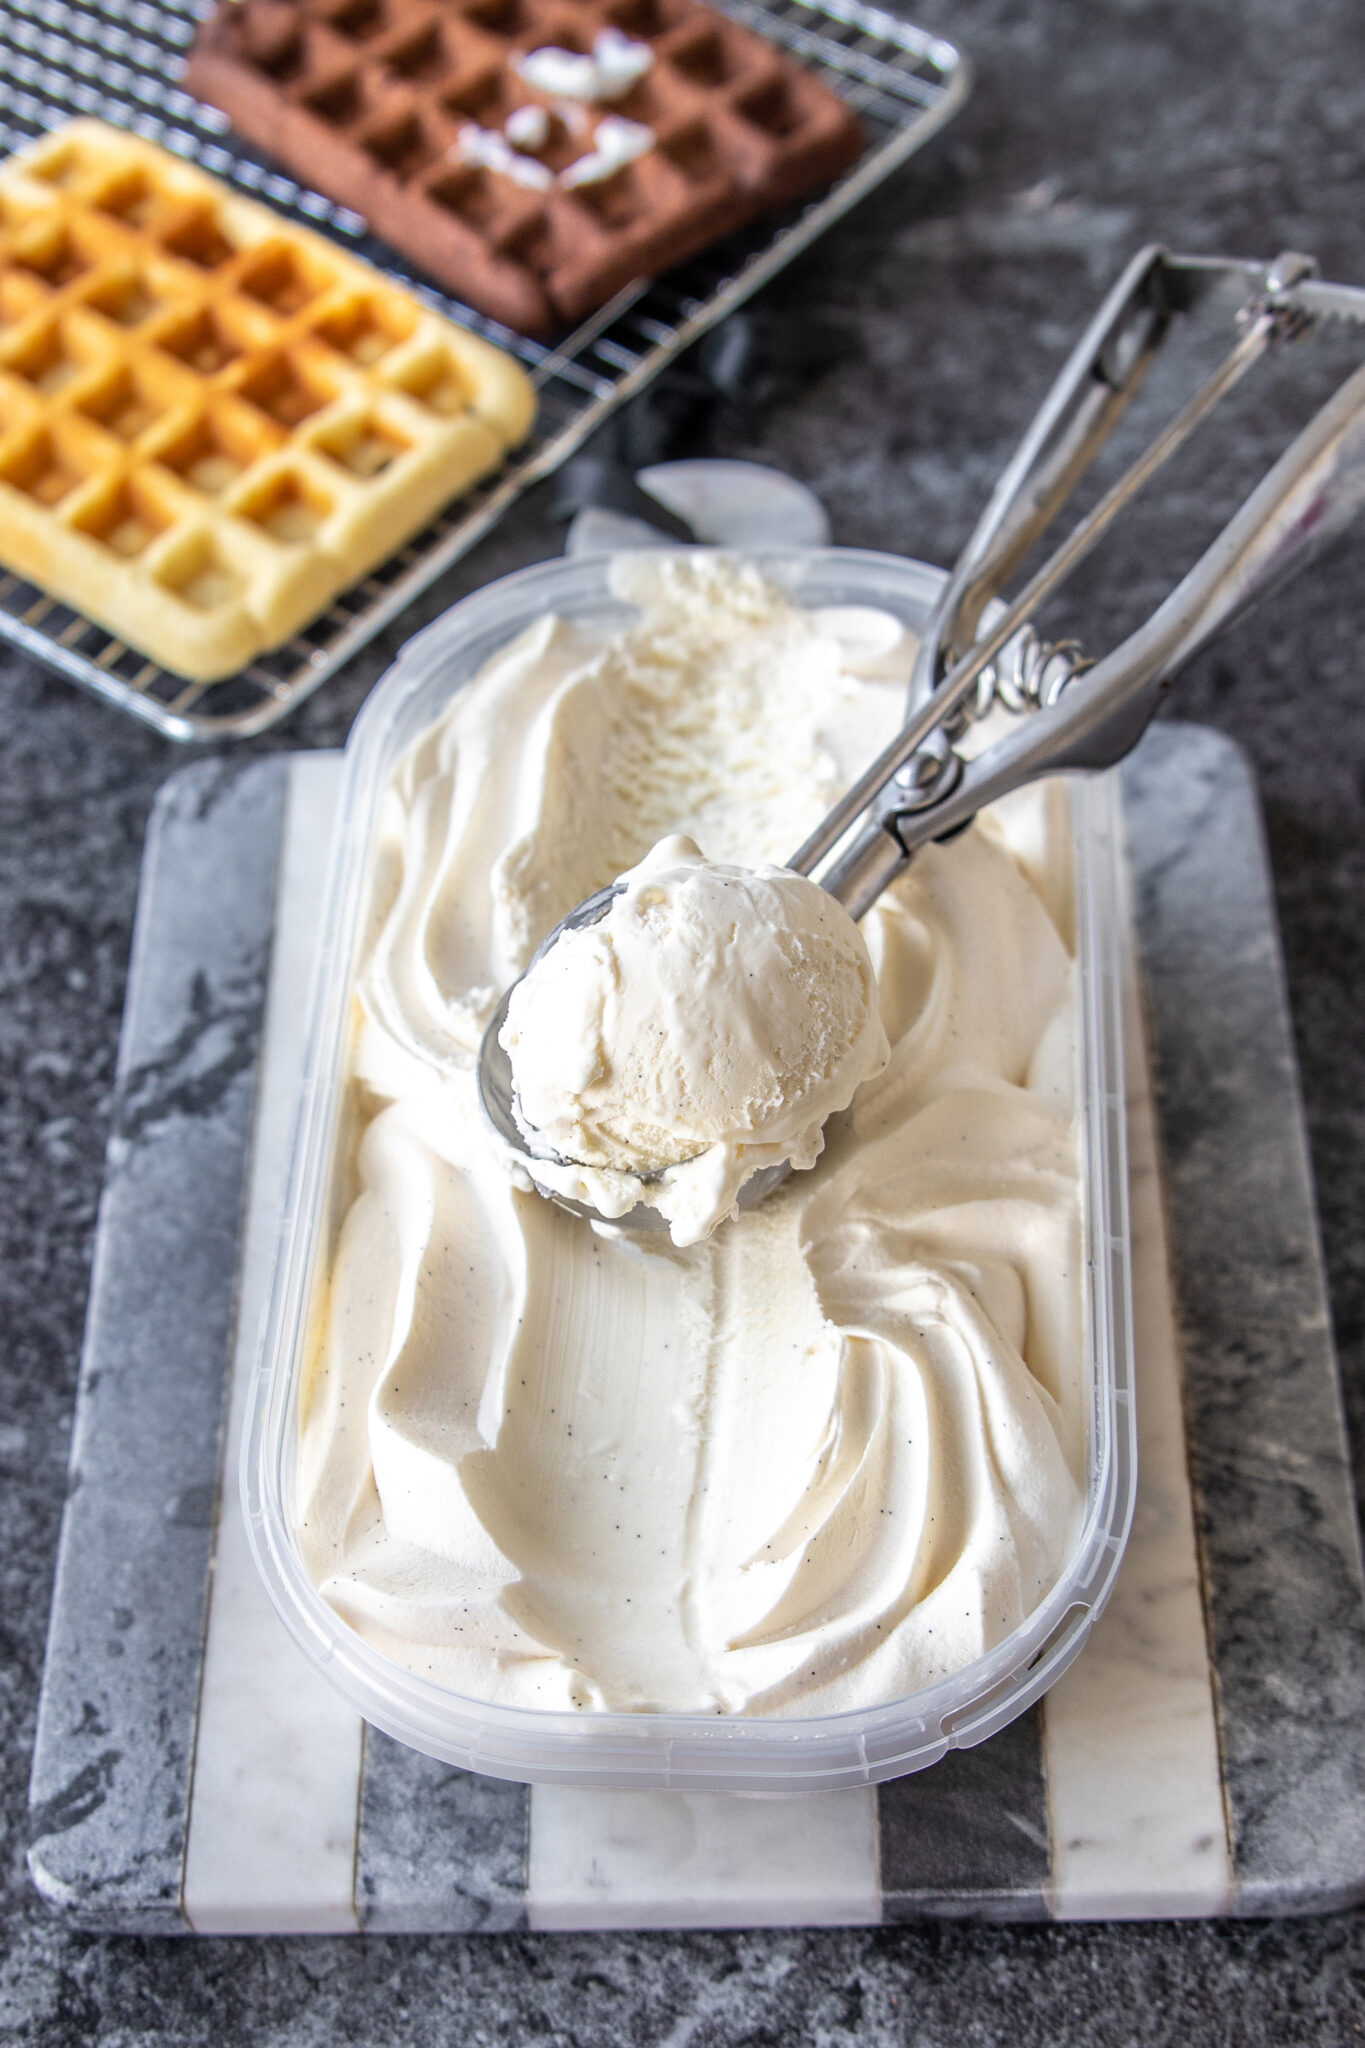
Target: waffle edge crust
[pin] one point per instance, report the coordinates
(369, 102)
(213, 421)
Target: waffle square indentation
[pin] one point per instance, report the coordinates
(289, 507)
(54, 254)
(435, 381)
(128, 299)
(206, 340)
(125, 403)
(340, 102)
(125, 517)
(282, 389)
(504, 18)
(772, 107)
(708, 57)
(132, 198)
(418, 56)
(199, 575)
(200, 241)
(360, 21)
(367, 329)
(401, 146)
(44, 469)
(364, 446)
(49, 360)
(280, 279)
(213, 452)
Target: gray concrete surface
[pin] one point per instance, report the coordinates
(1220, 125)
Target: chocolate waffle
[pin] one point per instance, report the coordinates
(401, 109)
(212, 421)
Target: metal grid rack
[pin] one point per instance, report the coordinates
(112, 58)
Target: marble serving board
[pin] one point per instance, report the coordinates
(1205, 1755)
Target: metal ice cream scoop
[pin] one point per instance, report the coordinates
(1073, 712)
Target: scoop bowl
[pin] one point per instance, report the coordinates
(497, 1092)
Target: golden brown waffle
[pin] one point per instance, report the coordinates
(367, 100)
(212, 421)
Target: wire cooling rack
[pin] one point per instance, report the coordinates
(117, 59)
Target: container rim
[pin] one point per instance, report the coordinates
(670, 1751)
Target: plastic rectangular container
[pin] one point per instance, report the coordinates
(682, 1750)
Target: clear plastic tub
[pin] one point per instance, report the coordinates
(682, 1750)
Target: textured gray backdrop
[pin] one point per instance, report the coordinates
(1234, 126)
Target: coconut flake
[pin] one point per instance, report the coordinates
(613, 68)
(616, 142)
(527, 128)
(485, 146)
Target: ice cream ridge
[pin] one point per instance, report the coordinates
(831, 1451)
(705, 1027)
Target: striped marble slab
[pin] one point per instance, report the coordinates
(1205, 1755)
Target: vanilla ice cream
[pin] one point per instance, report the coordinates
(836, 1450)
(704, 1028)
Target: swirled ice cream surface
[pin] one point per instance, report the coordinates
(832, 1453)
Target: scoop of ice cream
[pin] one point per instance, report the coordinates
(706, 1026)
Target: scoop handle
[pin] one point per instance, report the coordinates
(1310, 495)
